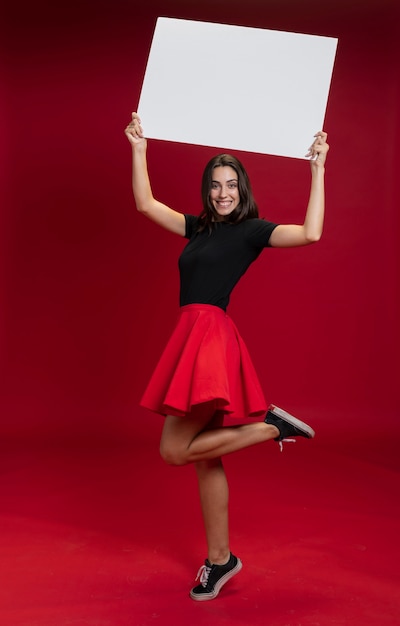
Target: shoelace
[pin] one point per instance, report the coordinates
(203, 575)
(281, 445)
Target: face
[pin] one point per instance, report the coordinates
(224, 194)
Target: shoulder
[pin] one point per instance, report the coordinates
(192, 224)
(258, 231)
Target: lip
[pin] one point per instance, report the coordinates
(224, 204)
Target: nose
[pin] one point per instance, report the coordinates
(223, 192)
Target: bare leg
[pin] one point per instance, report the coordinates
(187, 439)
(201, 439)
(214, 495)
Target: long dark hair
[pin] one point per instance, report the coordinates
(247, 207)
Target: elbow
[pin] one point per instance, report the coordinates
(313, 237)
(142, 207)
(144, 204)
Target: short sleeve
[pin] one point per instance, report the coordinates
(259, 231)
(192, 222)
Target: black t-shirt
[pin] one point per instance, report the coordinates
(212, 263)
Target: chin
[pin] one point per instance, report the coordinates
(225, 213)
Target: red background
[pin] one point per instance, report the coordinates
(90, 289)
(93, 532)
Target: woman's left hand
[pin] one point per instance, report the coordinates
(318, 150)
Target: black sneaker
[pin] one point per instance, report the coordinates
(213, 578)
(287, 425)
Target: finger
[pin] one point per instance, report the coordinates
(318, 143)
(321, 136)
(135, 128)
(315, 142)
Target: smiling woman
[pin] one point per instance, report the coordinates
(205, 372)
(224, 190)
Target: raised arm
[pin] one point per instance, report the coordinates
(292, 235)
(158, 212)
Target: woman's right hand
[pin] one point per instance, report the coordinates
(158, 212)
(134, 131)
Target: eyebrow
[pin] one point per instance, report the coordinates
(231, 180)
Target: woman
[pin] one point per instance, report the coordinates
(205, 371)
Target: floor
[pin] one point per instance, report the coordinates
(102, 533)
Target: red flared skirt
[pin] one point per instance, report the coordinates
(205, 361)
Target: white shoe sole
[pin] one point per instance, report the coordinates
(305, 428)
(218, 586)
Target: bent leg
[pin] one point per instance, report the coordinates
(190, 439)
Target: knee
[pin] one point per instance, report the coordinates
(171, 455)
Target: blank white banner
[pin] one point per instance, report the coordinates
(235, 87)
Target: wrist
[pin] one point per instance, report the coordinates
(139, 147)
(317, 170)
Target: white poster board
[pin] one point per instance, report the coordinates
(235, 87)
